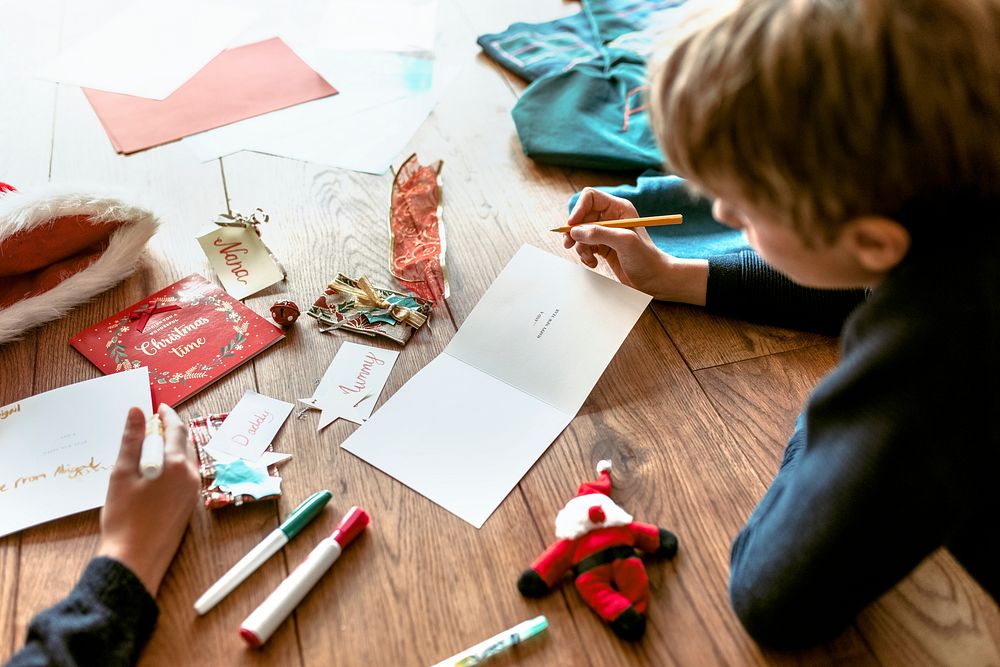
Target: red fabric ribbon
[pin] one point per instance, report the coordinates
(416, 231)
(147, 311)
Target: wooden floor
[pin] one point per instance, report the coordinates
(694, 410)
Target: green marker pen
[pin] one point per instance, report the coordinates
(270, 545)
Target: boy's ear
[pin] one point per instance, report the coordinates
(878, 243)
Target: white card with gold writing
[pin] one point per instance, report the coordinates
(249, 428)
(358, 371)
(240, 259)
(57, 448)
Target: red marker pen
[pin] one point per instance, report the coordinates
(265, 619)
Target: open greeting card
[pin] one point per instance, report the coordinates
(53, 466)
(510, 381)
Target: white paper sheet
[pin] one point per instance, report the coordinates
(388, 25)
(149, 48)
(57, 449)
(383, 99)
(514, 376)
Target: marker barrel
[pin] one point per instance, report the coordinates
(151, 457)
(246, 566)
(265, 619)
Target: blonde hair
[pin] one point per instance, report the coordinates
(824, 110)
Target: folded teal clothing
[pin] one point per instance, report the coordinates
(699, 236)
(589, 116)
(586, 105)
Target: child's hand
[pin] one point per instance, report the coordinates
(143, 520)
(630, 253)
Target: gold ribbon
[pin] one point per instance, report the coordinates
(367, 297)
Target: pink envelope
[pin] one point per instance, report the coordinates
(238, 83)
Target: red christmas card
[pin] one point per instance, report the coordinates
(188, 335)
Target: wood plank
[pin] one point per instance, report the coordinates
(938, 614)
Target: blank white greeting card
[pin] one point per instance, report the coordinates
(517, 371)
(57, 448)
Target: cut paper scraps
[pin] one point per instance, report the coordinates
(241, 481)
(416, 230)
(359, 306)
(239, 83)
(352, 383)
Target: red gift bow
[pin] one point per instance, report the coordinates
(147, 311)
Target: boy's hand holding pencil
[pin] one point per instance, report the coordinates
(602, 225)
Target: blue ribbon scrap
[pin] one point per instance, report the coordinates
(241, 478)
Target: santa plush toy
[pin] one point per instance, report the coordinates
(599, 541)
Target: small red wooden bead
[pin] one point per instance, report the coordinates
(284, 312)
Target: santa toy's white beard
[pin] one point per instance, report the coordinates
(573, 520)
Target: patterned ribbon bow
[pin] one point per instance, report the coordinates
(147, 311)
(367, 297)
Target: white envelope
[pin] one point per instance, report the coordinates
(513, 377)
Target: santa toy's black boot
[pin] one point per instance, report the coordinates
(630, 625)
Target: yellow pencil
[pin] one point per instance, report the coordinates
(629, 223)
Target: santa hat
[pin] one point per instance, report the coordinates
(60, 247)
(592, 508)
(603, 483)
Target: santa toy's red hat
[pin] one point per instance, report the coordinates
(592, 507)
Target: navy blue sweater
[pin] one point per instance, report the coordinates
(896, 452)
(105, 621)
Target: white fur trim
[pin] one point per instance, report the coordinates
(573, 520)
(29, 209)
(602, 465)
